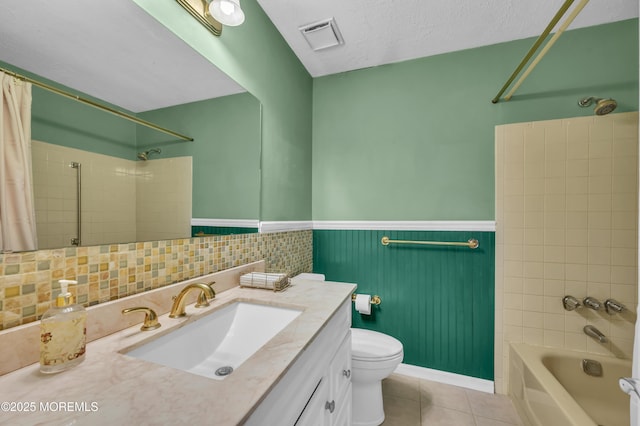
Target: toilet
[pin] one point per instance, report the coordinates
(374, 356)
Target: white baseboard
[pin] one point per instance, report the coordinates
(468, 382)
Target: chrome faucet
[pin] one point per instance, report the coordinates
(206, 292)
(591, 331)
(592, 303)
(613, 306)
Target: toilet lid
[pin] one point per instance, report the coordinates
(368, 345)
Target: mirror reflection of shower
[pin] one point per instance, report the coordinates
(603, 106)
(144, 156)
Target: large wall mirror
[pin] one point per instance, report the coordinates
(136, 184)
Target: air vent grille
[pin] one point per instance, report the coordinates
(322, 34)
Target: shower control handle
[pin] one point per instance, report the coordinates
(592, 303)
(570, 303)
(613, 306)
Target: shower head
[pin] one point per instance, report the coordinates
(603, 106)
(144, 156)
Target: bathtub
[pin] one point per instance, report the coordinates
(549, 387)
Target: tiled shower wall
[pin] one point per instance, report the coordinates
(29, 280)
(163, 198)
(122, 200)
(566, 224)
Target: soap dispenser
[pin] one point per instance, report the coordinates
(63, 333)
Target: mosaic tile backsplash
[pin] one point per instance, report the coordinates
(29, 280)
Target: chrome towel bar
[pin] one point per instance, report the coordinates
(472, 243)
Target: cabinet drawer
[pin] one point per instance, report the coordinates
(340, 368)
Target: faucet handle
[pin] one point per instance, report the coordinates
(570, 303)
(592, 302)
(613, 306)
(202, 301)
(150, 317)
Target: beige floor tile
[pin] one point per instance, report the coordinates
(492, 406)
(443, 395)
(409, 401)
(402, 387)
(401, 411)
(435, 415)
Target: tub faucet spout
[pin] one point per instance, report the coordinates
(591, 331)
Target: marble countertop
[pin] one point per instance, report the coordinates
(112, 388)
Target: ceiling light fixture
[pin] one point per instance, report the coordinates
(212, 14)
(227, 12)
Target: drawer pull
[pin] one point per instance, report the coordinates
(346, 373)
(330, 405)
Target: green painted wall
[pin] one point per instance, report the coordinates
(62, 121)
(438, 301)
(257, 57)
(225, 151)
(415, 140)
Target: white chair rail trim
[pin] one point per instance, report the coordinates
(417, 225)
(236, 223)
(287, 226)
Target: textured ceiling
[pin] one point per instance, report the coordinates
(378, 32)
(116, 52)
(112, 50)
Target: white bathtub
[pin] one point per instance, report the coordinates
(548, 388)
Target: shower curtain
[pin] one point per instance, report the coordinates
(17, 212)
(635, 401)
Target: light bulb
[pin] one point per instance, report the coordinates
(227, 12)
(227, 7)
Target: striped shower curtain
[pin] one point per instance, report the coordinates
(17, 212)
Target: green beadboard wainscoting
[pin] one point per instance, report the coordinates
(221, 230)
(438, 301)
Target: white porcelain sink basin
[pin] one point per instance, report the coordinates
(215, 344)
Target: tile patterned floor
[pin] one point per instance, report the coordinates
(409, 401)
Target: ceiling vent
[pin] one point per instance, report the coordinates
(322, 34)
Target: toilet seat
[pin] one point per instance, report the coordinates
(371, 346)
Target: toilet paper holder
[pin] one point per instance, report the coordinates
(375, 300)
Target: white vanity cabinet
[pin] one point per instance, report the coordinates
(330, 404)
(339, 399)
(316, 390)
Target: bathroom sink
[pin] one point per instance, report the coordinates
(216, 344)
